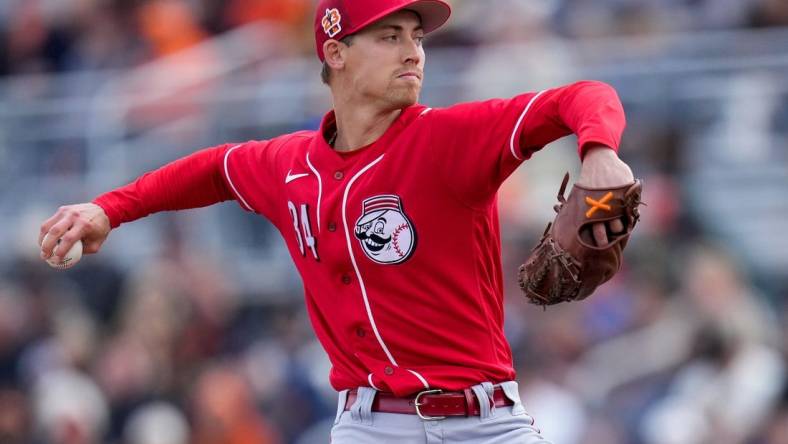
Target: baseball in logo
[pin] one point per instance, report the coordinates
(331, 22)
(384, 231)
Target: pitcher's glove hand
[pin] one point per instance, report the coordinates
(567, 264)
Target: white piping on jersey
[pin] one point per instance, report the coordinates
(421, 378)
(519, 121)
(230, 181)
(319, 189)
(425, 111)
(371, 384)
(355, 265)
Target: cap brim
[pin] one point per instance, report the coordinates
(433, 13)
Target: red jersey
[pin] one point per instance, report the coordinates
(397, 243)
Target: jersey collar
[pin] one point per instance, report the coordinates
(324, 154)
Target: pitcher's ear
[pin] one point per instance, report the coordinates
(333, 54)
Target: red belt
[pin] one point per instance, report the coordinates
(431, 404)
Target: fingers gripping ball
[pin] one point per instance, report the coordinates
(70, 259)
(568, 264)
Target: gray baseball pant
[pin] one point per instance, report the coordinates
(497, 425)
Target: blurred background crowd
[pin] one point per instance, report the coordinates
(190, 327)
(69, 35)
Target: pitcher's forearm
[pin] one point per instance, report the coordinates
(191, 182)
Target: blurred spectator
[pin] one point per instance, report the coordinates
(34, 43)
(69, 408)
(169, 26)
(157, 423)
(105, 36)
(126, 373)
(290, 13)
(770, 13)
(15, 330)
(224, 411)
(15, 417)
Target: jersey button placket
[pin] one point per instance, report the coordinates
(339, 175)
(388, 370)
(360, 332)
(332, 226)
(346, 279)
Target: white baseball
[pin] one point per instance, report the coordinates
(71, 258)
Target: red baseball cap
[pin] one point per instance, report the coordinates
(336, 19)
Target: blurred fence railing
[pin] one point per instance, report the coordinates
(66, 138)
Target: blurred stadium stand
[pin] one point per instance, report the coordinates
(722, 94)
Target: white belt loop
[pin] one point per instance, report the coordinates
(484, 393)
(341, 401)
(361, 410)
(489, 389)
(512, 391)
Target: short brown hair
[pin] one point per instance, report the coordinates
(325, 73)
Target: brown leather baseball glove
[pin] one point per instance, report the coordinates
(567, 265)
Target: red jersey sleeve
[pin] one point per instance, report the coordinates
(477, 145)
(198, 180)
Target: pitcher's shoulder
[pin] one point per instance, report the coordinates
(287, 144)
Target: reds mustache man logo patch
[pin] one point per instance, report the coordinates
(386, 234)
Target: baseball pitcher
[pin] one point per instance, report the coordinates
(389, 213)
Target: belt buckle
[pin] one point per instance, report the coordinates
(418, 404)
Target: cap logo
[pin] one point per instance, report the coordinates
(332, 22)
